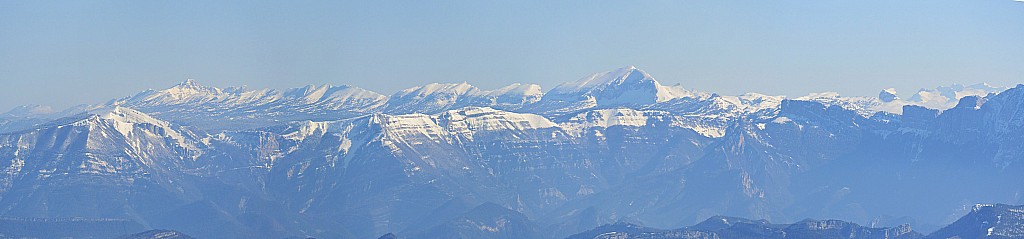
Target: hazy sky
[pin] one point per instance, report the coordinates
(63, 53)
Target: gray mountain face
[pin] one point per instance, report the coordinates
(986, 221)
(741, 228)
(342, 162)
(485, 221)
(983, 221)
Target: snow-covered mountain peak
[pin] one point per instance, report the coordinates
(191, 87)
(125, 115)
(598, 81)
(945, 97)
(627, 86)
(865, 106)
(753, 102)
(189, 83)
(187, 91)
(616, 85)
(101, 123)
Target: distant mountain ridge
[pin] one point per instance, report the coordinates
(984, 221)
(732, 228)
(343, 162)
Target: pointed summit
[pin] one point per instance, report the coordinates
(626, 86)
(188, 87)
(188, 82)
(599, 81)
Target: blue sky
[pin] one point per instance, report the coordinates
(63, 53)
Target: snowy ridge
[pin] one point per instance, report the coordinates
(431, 98)
(239, 107)
(711, 114)
(946, 97)
(336, 97)
(864, 106)
(512, 97)
(941, 98)
(436, 98)
(410, 128)
(471, 120)
(532, 91)
(191, 92)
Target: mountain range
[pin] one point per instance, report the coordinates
(451, 159)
